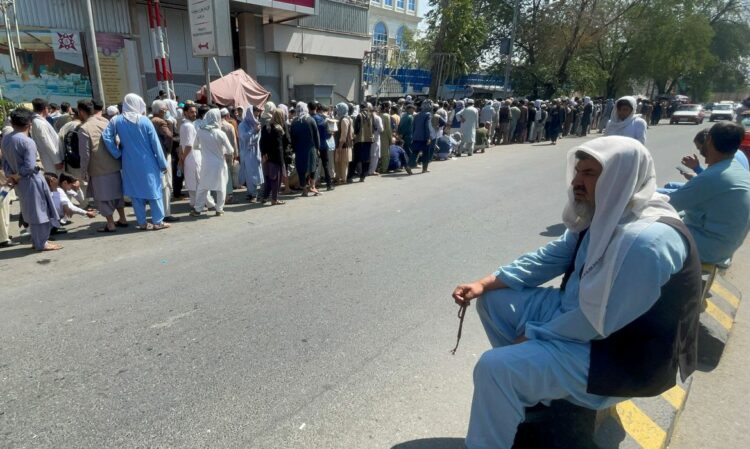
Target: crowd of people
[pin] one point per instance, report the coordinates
(147, 158)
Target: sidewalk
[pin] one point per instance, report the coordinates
(716, 414)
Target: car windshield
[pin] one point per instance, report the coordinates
(688, 107)
(723, 107)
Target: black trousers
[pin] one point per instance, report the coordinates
(176, 180)
(360, 161)
(324, 160)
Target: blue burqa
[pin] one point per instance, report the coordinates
(251, 169)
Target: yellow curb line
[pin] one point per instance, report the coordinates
(640, 427)
(719, 315)
(728, 296)
(675, 396)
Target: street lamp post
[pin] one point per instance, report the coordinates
(94, 51)
(508, 64)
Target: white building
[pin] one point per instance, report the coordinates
(388, 19)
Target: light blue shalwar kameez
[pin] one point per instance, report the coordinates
(251, 168)
(142, 164)
(554, 362)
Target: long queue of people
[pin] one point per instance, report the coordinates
(104, 160)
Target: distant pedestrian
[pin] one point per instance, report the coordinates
(624, 122)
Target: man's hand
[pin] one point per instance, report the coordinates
(91, 214)
(691, 161)
(464, 293)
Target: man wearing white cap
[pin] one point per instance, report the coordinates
(622, 322)
(112, 111)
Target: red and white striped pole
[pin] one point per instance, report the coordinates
(163, 73)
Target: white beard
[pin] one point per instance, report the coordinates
(584, 211)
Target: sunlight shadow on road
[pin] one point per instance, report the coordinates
(555, 230)
(432, 443)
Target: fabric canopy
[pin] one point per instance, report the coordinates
(236, 89)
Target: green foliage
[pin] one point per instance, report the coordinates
(5, 107)
(600, 47)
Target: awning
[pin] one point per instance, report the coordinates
(236, 89)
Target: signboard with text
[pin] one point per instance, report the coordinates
(210, 28)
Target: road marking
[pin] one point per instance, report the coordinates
(171, 320)
(675, 396)
(719, 315)
(640, 427)
(728, 296)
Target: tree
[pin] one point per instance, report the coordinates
(456, 29)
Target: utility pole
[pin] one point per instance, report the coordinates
(94, 52)
(509, 63)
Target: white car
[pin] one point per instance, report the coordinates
(722, 111)
(691, 113)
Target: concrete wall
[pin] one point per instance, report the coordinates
(344, 75)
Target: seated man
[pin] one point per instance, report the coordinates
(483, 137)
(447, 145)
(692, 162)
(397, 156)
(717, 202)
(625, 317)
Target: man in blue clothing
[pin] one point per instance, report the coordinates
(421, 137)
(397, 157)
(132, 137)
(320, 121)
(716, 203)
(625, 317)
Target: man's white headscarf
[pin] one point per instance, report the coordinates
(301, 110)
(212, 120)
(626, 204)
(616, 125)
(133, 107)
(112, 111)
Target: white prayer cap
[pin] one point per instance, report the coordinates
(224, 112)
(112, 111)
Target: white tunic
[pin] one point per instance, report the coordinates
(192, 166)
(469, 124)
(213, 168)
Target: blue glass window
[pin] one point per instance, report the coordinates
(400, 4)
(380, 34)
(412, 5)
(400, 38)
(388, 2)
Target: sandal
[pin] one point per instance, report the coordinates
(146, 227)
(278, 203)
(121, 225)
(51, 247)
(105, 229)
(317, 194)
(160, 226)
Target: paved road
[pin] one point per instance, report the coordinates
(325, 323)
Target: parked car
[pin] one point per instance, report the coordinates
(691, 113)
(722, 111)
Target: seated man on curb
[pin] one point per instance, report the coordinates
(624, 318)
(717, 202)
(692, 162)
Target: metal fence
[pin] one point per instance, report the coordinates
(343, 16)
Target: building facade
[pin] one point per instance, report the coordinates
(297, 49)
(390, 19)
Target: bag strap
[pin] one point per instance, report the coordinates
(572, 266)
